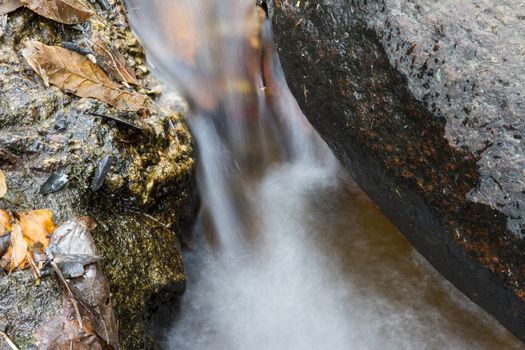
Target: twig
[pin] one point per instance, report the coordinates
(71, 295)
(117, 119)
(9, 341)
(151, 218)
(34, 269)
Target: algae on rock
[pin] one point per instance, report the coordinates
(148, 195)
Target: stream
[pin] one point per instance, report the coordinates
(287, 253)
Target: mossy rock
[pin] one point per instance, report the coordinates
(149, 194)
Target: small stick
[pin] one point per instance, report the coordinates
(120, 120)
(71, 295)
(151, 218)
(9, 341)
(34, 269)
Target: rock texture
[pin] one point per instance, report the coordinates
(423, 101)
(148, 196)
(22, 300)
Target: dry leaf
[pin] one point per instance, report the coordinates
(63, 11)
(112, 61)
(29, 236)
(94, 326)
(5, 222)
(18, 249)
(7, 6)
(3, 186)
(76, 74)
(37, 225)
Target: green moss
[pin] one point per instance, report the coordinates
(142, 262)
(45, 130)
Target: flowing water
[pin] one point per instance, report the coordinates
(288, 253)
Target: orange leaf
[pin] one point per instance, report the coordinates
(37, 225)
(18, 247)
(5, 222)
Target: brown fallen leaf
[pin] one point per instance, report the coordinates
(36, 226)
(3, 186)
(76, 74)
(7, 6)
(18, 249)
(112, 61)
(63, 11)
(87, 320)
(70, 329)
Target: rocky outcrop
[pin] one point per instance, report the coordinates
(423, 103)
(148, 196)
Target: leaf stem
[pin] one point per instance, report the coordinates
(8, 340)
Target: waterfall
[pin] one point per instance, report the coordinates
(288, 253)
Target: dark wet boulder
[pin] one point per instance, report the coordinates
(423, 102)
(130, 174)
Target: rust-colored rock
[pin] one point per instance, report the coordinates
(423, 102)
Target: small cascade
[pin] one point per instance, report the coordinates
(288, 253)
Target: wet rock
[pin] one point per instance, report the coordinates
(25, 306)
(144, 199)
(423, 102)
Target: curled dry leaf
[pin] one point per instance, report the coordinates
(18, 248)
(63, 11)
(7, 6)
(37, 225)
(29, 233)
(112, 61)
(5, 222)
(3, 186)
(76, 74)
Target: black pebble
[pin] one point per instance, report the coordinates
(100, 174)
(54, 183)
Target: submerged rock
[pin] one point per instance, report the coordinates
(423, 102)
(144, 198)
